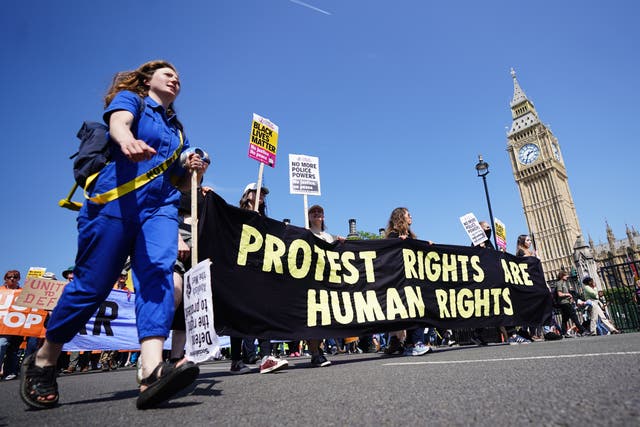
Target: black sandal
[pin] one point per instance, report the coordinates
(37, 382)
(166, 380)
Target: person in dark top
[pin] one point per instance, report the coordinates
(399, 227)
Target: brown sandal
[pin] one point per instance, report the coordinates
(37, 382)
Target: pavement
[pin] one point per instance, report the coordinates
(589, 381)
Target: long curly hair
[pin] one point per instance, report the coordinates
(398, 223)
(135, 81)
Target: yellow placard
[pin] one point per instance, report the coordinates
(263, 142)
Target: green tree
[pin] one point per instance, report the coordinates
(366, 235)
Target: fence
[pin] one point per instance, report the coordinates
(620, 282)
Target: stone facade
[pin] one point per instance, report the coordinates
(540, 173)
(617, 251)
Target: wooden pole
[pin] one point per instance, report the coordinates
(306, 210)
(256, 203)
(194, 218)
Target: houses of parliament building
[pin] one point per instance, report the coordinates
(540, 173)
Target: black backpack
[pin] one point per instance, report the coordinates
(94, 151)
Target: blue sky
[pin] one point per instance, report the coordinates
(397, 99)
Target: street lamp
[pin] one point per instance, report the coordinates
(482, 168)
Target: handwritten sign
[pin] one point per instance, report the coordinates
(264, 140)
(473, 229)
(202, 340)
(40, 293)
(304, 175)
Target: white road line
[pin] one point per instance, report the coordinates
(505, 359)
(214, 368)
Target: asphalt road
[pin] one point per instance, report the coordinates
(573, 382)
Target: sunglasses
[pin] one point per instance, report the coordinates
(13, 277)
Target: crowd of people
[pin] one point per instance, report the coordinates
(150, 225)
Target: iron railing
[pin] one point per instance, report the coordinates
(620, 282)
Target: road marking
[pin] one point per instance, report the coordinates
(215, 368)
(505, 359)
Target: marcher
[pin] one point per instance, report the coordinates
(268, 363)
(399, 226)
(525, 246)
(318, 228)
(477, 336)
(10, 344)
(145, 133)
(77, 360)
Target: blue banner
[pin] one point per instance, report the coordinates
(113, 327)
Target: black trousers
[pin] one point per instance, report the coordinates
(569, 312)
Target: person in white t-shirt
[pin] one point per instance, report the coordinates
(317, 227)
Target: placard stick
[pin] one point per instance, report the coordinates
(306, 209)
(256, 203)
(194, 218)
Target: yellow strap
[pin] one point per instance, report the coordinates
(135, 183)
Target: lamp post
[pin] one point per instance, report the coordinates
(482, 168)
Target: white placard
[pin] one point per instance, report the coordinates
(473, 229)
(202, 340)
(304, 174)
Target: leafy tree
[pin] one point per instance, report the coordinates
(366, 235)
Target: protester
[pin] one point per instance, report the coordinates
(525, 246)
(145, 133)
(10, 344)
(121, 283)
(399, 226)
(318, 228)
(268, 363)
(77, 360)
(68, 274)
(477, 337)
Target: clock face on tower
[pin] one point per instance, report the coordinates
(528, 153)
(556, 151)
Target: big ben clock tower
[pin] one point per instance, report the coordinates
(539, 171)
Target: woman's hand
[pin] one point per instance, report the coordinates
(135, 150)
(195, 163)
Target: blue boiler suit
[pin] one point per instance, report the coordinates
(142, 224)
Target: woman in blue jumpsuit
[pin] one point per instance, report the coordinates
(144, 131)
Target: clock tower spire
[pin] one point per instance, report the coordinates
(541, 176)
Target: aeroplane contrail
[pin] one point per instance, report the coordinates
(301, 3)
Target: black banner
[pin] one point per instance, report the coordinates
(278, 281)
